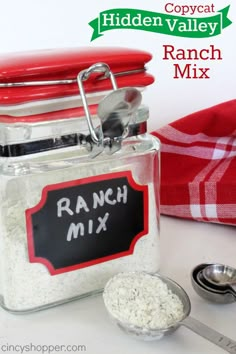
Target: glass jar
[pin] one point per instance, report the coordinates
(74, 213)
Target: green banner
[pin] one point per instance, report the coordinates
(190, 27)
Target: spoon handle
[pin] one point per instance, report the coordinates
(210, 334)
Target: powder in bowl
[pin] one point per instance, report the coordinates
(142, 300)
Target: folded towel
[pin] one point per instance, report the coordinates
(198, 165)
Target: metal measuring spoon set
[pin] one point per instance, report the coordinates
(215, 282)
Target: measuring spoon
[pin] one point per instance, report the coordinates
(205, 291)
(196, 326)
(221, 276)
(213, 288)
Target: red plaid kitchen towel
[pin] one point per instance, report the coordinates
(198, 165)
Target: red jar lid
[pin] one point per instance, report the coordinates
(34, 71)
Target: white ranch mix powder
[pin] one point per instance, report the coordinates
(142, 300)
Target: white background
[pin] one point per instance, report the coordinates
(27, 24)
(36, 24)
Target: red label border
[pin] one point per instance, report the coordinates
(77, 182)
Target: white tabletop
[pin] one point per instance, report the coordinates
(85, 322)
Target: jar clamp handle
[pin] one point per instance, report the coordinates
(96, 134)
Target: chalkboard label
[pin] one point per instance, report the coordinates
(87, 221)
